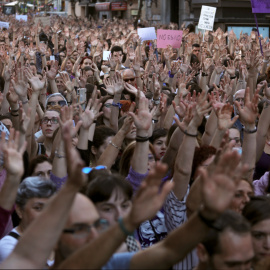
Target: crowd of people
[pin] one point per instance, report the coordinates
(148, 159)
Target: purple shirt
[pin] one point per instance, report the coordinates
(261, 185)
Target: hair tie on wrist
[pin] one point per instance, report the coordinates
(190, 135)
(119, 105)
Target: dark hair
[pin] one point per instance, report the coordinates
(200, 155)
(102, 187)
(196, 45)
(229, 220)
(5, 116)
(158, 133)
(2, 84)
(116, 49)
(191, 28)
(37, 160)
(194, 59)
(257, 209)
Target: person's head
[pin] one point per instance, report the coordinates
(83, 225)
(129, 76)
(102, 136)
(239, 96)
(62, 55)
(196, 49)
(86, 62)
(59, 83)
(234, 134)
(56, 99)
(32, 195)
(242, 195)
(126, 157)
(40, 166)
(111, 195)
(49, 123)
(69, 65)
(158, 140)
(117, 52)
(203, 156)
(229, 246)
(6, 120)
(106, 106)
(257, 212)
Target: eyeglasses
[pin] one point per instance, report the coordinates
(87, 170)
(108, 105)
(62, 103)
(240, 99)
(84, 229)
(130, 79)
(53, 120)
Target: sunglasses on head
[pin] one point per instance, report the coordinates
(87, 170)
(130, 79)
(62, 103)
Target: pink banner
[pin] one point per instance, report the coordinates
(169, 37)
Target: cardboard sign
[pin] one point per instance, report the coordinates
(21, 17)
(106, 55)
(260, 6)
(207, 18)
(4, 25)
(147, 33)
(169, 37)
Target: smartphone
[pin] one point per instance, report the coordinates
(59, 31)
(52, 57)
(81, 93)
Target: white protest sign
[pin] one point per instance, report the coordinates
(21, 17)
(106, 55)
(207, 18)
(148, 33)
(4, 25)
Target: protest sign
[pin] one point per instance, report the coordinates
(169, 37)
(207, 18)
(4, 25)
(106, 55)
(260, 6)
(21, 17)
(147, 33)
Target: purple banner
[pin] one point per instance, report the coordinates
(260, 6)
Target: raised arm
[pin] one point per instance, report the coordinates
(47, 228)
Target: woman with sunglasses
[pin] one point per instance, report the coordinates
(56, 99)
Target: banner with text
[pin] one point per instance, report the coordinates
(260, 6)
(4, 25)
(169, 37)
(207, 18)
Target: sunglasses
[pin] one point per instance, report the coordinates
(108, 105)
(87, 170)
(62, 103)
(131, 79)
(53, 120)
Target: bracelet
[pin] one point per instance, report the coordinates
(114, 145)
(170, 74)
(204, 74)
(112, 69)
(123, 228)
(250, 131)
(190, 135)
(142, 139)
(14, 111)
(43, 55)
(233, 77)
(25, 102)
(58, 155)
(265, 61)
(14, 114)
(156, 101)
(210, 223)
(119, 105)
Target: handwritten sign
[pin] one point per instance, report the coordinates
(207, 18)
(260, 6)
(21, 17)
(169, 37)
(4, 25)
(147, 33)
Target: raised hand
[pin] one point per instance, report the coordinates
(118, 83)
(248, 114)
(224, 117)
(51, 74)
(133, 90)
(34, 80)
(20, 83)
(13, 154)
(24, 119)
(143, 119)
(67, 82)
